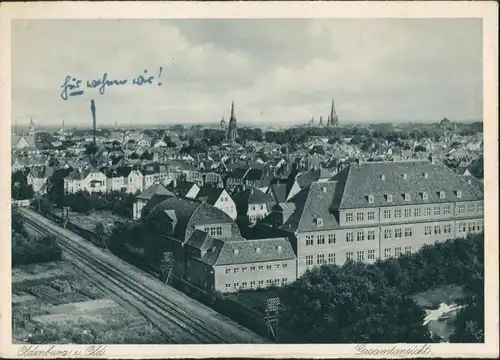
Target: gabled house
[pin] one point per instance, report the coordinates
(157, 191)
(184, 188)
(91, 180)
(252, 204)
(38, 176)
(219, 198)
(135, 181)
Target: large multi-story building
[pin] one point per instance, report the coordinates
(377, 210)
(209, 250)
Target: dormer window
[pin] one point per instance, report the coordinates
(319, 222)
(405, 176)
(371, 199)
(382, 177)
(441, 195)
(424, 195)
(389, 198)
(257, 250)
(407, 197)
(324, 189)
(426, 175)
(235, 251)
(278, 248)
(458, 193)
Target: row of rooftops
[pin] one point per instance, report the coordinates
(317, 202)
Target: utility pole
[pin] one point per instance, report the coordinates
(271, 317)
(167, 265)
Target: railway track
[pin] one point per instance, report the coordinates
(165, 311)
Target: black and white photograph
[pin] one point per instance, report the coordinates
(244, 180)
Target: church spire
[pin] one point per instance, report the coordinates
(31, 130)
(232, 111)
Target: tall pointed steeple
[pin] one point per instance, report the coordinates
(233, 117)
(334, 118)
(232, 131)
(31, 129)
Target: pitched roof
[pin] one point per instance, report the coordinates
(379, 179)
(274, 249)
(190, 213)
(250, 196)
(312, 203)
(210, 194)
(155, 189)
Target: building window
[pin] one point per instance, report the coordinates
(260, 283)
(387, 233)
(261, 268)
(427, 211)
(309, 240)
(437, 210)
(397, 233)
(360, 236)
(252, 284)
(331, 258)
(277, 266)
(424, 196)
(462, 227)
(407, 249)
(418, 212)
(244, 269)
(407, 213)
(407, 197)
(480, 208)
(236, 286)
(480, 225)
(349, 255)
(461, 208)
(321, 239)
(371, 234)
(228, 287)
(441, 195)
(472, 226)
(371, 215)
(309, 260)
(285, 266)
(360, 255)
(349, 217)
(360, 216)
(397, 213)
(397, 251)
(470, 208)
(387, 214)
(236, 270)
(320, 259)
(387, 252)
(284, 281)
(447, 228)
(228, 271)
(269, 267)
(446, 209)
(371, 254)
(427, 230)
(244, 285)
(349, 237)
(437, 229)
(389, 198)
(331, 239)
(408, 232)
(370, 199)
(269, 282)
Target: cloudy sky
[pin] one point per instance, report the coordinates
(285, 70)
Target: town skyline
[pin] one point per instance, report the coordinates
(270, 80)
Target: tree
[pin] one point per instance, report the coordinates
(352, 303)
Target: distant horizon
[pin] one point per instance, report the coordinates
(145, 126)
